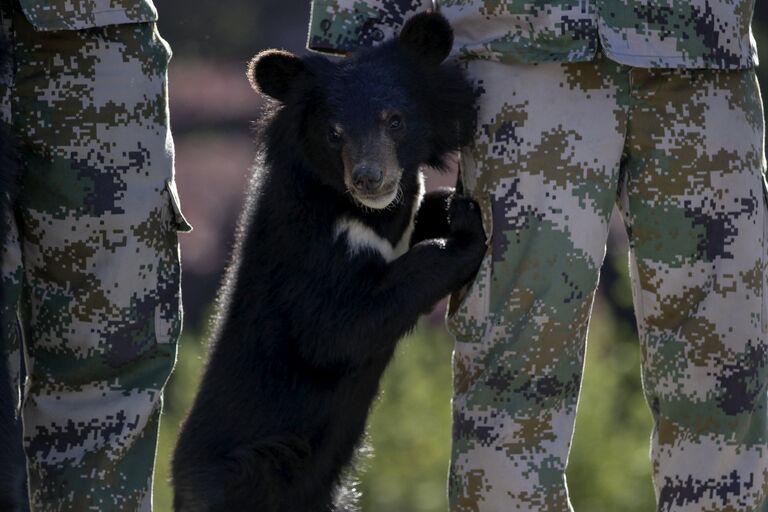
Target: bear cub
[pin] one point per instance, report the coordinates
(338, 252)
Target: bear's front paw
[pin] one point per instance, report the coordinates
(468, 237)
(465, 218)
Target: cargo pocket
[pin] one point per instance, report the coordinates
(168, 312)
(467, 317)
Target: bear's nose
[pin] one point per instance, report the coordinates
(366, 178)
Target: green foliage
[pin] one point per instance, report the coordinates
(410, 426)
(410, 429)
(609, 467)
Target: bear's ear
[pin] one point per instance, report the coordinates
(428, 36)
(275, 73)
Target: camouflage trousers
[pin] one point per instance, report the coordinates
(93, 266)
(681, 154)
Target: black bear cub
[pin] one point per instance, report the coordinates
(337, 255)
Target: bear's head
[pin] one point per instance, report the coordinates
(366, 123)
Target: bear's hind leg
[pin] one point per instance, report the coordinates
(258, 475)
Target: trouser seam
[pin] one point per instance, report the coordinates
(764, 255)
(625, 207)
(628, 114)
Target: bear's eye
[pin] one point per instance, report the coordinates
(395, 122)
(334, 135)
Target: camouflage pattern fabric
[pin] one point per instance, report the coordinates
(79, 14)
(681, 153)
(95, 262)
(642, 33)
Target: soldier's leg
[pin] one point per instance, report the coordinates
(544, 168)
(696, 212)
(100, 303)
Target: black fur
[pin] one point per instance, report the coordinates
(11, 454)
(430, 37)
(272, 73)
(305, 328)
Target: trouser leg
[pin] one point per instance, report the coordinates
(544, 168)
(100, 302)
(695, 209)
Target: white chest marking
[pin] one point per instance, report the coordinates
(361, 237)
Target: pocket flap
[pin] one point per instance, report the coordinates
(49, 15)
(181, 222)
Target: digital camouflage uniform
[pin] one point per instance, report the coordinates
(653, 106)
(93, 263)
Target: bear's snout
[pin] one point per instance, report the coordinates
(367, 178)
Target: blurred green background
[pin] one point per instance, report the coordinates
(212, 110)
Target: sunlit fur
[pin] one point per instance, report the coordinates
(316, 296)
